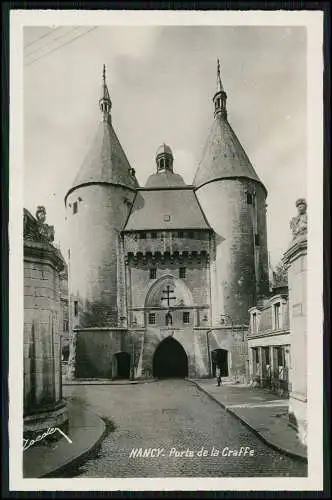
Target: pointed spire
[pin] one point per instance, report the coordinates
(219, 84)
(220, 96)
(105, 102)
(223, 156)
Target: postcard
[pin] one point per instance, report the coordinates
(166, 250)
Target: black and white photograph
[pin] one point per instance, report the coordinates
(166, 284)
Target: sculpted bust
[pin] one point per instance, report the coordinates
(45, 231)
(299, 224)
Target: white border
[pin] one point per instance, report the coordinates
(313, 20)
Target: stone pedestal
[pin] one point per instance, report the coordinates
(295, 259)
(43, 404)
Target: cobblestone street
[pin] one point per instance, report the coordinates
(173, 414)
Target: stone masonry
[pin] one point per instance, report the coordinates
(43, 404)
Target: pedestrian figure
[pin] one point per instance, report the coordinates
(218, 375)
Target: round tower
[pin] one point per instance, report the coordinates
(97, 206)
(233, 200)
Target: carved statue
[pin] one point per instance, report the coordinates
(299, 224)
(45, 231)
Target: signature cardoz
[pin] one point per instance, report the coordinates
(27, 443)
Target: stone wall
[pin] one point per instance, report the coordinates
(296, 261)
(96, 270)
(43, 405)
(95, 349)
(198, 344)
(240, 270)
(234, 340)
(196, 279)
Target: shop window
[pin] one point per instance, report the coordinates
(280, 356)
(267, 355)
(255, 355)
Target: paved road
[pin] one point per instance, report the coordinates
(173, 415)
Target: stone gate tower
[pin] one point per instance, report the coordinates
(97, 206)
(233, 200)
(153, 270)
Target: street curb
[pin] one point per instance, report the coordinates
(87, 382)
(255, 431)
(76, 461)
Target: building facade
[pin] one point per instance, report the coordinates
(269, 343)
(161, 277)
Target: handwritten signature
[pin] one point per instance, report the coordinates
(27, 443)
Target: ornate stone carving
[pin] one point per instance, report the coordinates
(30, 231)
(299, 224)
(45, 230)
(36, 229)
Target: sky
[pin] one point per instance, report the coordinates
(161, 81)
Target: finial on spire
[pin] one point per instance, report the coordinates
(219, 84)
(105, 102)
(220, 96)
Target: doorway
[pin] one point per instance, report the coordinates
(220, 358)
(122, 365)
(170, 360)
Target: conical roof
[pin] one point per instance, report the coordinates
(223, 156)
(105, 161)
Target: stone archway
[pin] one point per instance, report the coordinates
(170, 360)
(181, 295)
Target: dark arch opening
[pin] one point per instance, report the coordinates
(170, 360)
(220, 358)
(123, 365)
